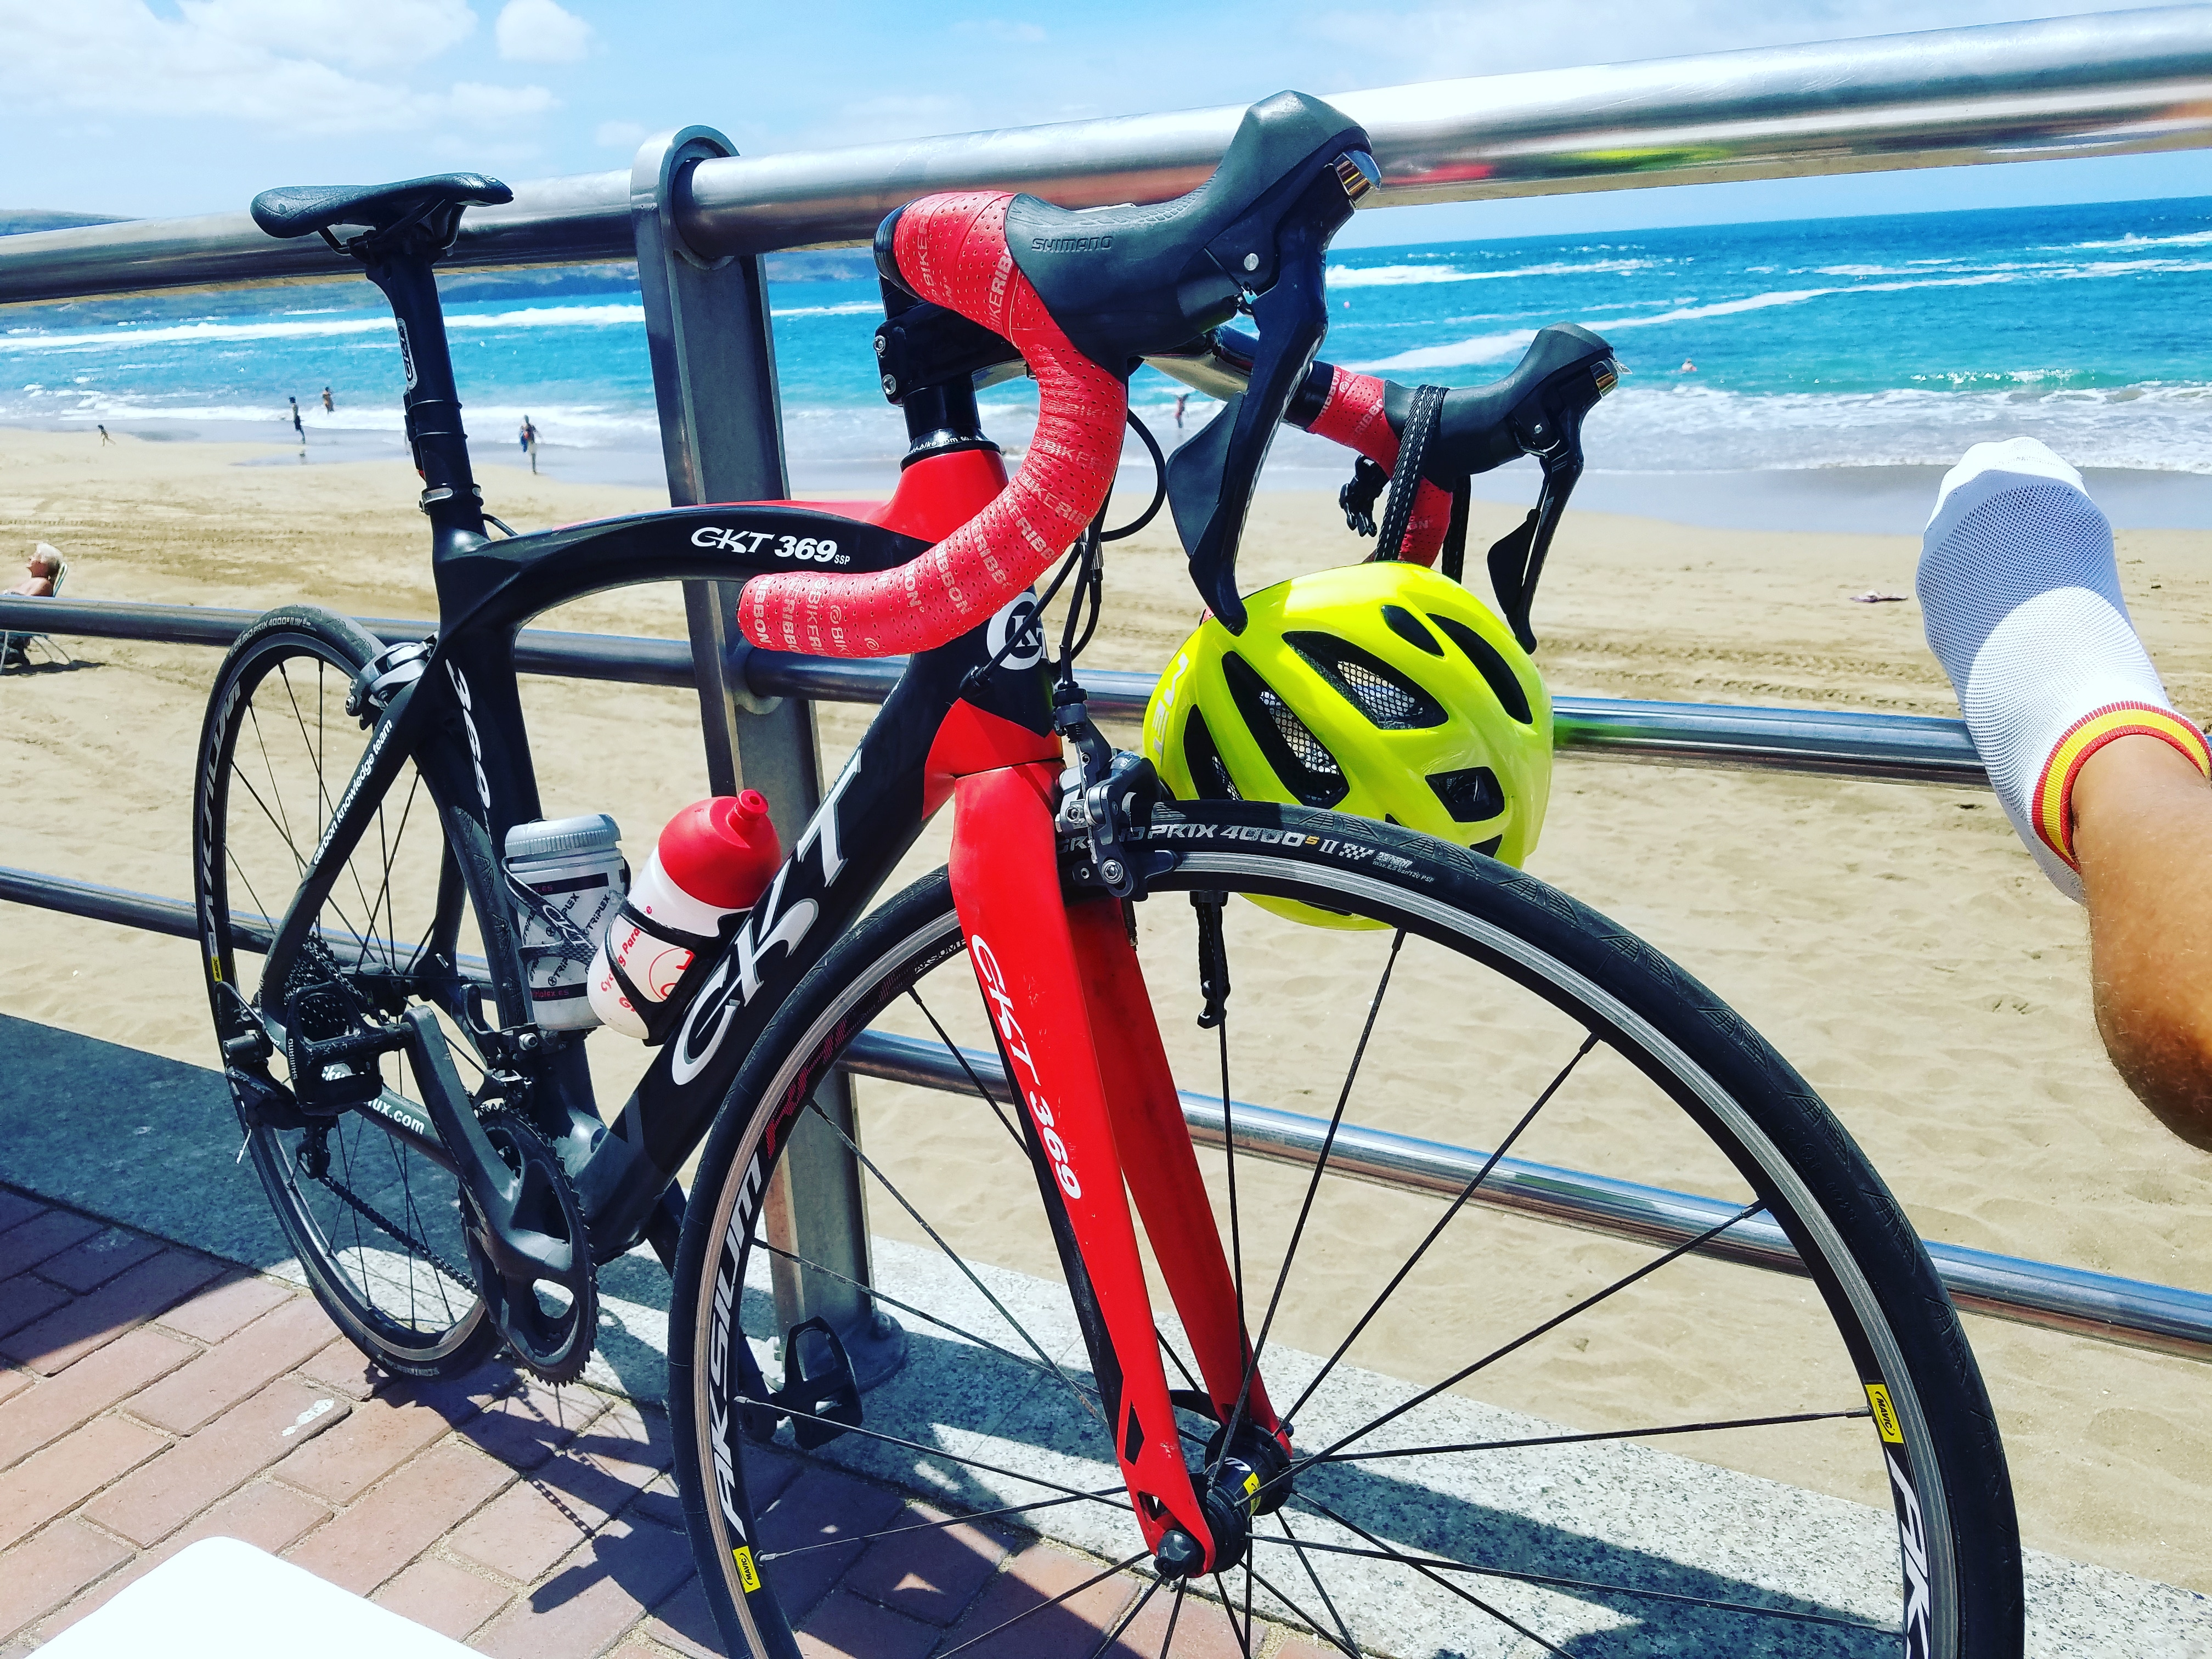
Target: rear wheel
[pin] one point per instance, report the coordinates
(374, 1217)
(1510, 1437)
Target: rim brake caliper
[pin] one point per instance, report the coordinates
(1106, 800)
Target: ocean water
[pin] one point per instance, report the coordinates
(1819, 343)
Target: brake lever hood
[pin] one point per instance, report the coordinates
(1211, 478)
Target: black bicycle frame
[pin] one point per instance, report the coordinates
(461, 723)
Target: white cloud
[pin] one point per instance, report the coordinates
(391, 34)
(265, 63)
(540, 32)
(618, 135)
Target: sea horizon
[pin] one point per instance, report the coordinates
(1878, 346)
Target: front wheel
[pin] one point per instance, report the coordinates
(1510, 1436)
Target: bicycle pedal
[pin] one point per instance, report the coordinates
(819, 1394)
(330, 1049)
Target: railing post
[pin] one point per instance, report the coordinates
(721, 432)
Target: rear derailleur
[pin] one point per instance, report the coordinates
(528, 1245)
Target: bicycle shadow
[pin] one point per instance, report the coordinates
(953, 1401)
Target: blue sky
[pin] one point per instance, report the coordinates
(169, 106)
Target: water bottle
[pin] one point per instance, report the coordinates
(712, 863)
(568, 877)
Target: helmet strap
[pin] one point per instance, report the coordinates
(1452, 560)
(1422, 419)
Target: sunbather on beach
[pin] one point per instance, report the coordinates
(40, 571)
(2103, 778)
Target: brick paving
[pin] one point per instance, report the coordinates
(151, 1396)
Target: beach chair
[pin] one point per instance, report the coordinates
(20, 650)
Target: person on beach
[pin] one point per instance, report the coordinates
(40, 572)
(2104, 782)
(328, 406)
(529, 435)
(104, 438)
(1183, 402)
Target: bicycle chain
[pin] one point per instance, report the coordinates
(465, 1281)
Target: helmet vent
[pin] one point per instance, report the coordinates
(1388, 699)
(1300, 759)
(1407, 627)
(1209, 772)
(1490, 664)
(1470, 795)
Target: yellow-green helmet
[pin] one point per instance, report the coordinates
(1386, 689)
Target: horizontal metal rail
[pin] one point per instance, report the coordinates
(1899, 748)
(2158, 1316)
(2105, 84)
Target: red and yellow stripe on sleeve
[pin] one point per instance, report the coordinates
(2053, 799)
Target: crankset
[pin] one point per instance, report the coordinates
(546, 1303)
(527, 1241)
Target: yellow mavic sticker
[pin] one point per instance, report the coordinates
(1885, 1414)
(748, 1574)
(215, 967)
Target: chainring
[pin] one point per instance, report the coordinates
(550, 1321)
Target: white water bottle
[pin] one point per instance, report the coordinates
(712, 862)
(568, 876)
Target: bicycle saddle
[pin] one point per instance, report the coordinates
(305, 209)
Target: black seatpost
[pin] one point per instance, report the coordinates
(399, 261)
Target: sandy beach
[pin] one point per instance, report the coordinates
(1895, 943)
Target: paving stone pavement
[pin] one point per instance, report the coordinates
(151, 1396)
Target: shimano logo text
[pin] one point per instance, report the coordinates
(1070, 244)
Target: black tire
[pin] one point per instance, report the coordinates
(378, 1232)
(1718, 1093)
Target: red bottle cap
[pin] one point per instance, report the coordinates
(723, 852)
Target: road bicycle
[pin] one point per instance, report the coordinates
(1346, 1377)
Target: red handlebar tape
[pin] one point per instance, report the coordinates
(952, 249)
(1353, 417)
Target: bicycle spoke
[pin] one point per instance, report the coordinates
(866, 1433)
(975, 1082)
(1174, 1613)
(1253, 1575)
(1651, 1433)
(1578, 1586)
(1244, 1633)
(1305, 1207)
(1444, 1221)
(269, 767)
(1127, 1618)
(1441, 1583)
(877, 1295)
(1030, 1612)
(954, 1256)
(933, 1526)
(1352, 1647)
(1530, 1335)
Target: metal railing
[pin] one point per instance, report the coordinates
(696, 216)
(2074, 1300)
(1895, 748)
(2107, 84)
